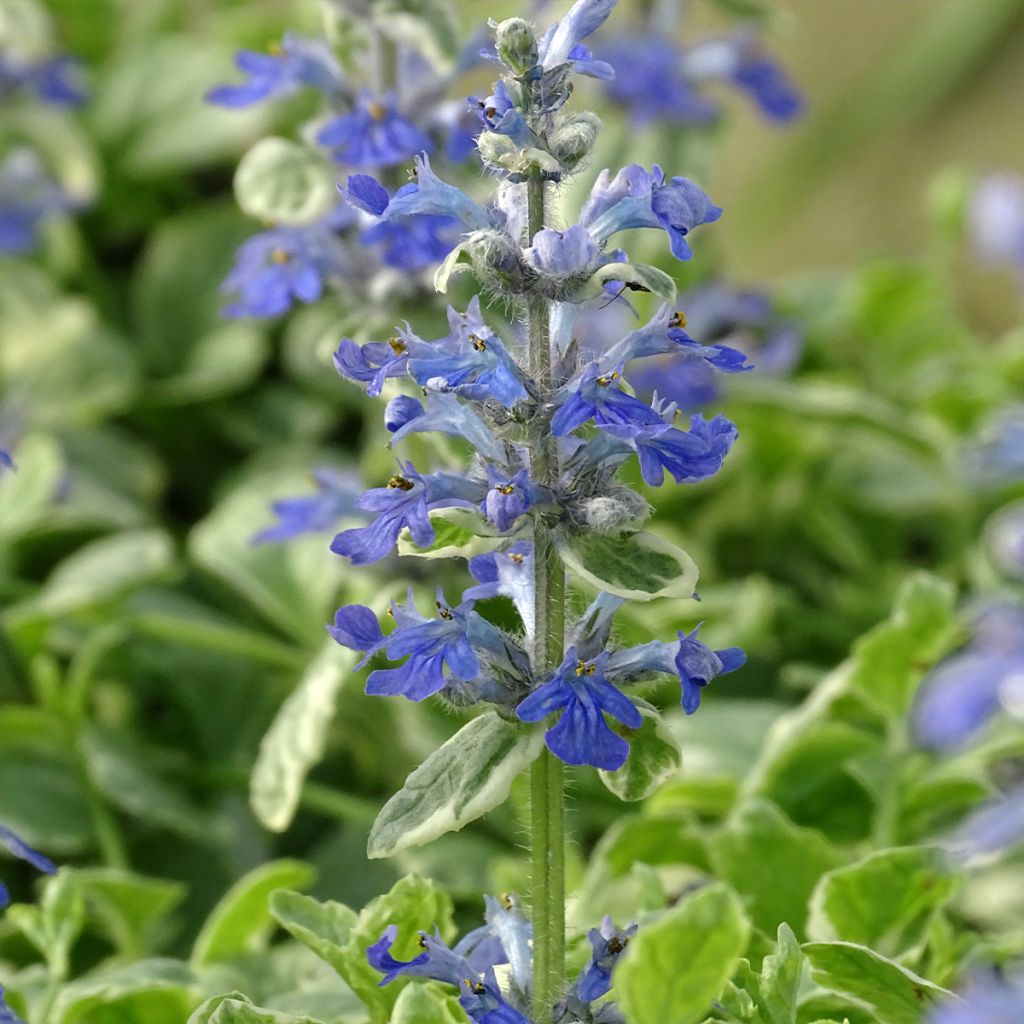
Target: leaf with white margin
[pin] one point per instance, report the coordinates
(654, 756)
(636, 566)
(458, 533)
(468, 776)
(285, 183)
(451, 265)
(297, 737)
(641, 275)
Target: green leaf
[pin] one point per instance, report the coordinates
(772, 863)
(158, 991)
(296, 739)
(681, 961)
(778, 985)
(285, 183)
(898, 996)
(227, 359)
(890, 661)
(427, 1004)
(241, 921)
(129, 908)
(885, 901)
(26, 30)
(237, 1009)
(654, 756)
(637, 566)
(27, 493)
(295, 584)
(53, 926)
(414, 904)
(104, 569)
(640, 275)
(122, 773)
(43, 799)
(458, 532)
(465, 778)
(324, 927)
(654, 840)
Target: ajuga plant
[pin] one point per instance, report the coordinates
(542, 504)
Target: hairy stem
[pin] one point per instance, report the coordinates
(547, 825)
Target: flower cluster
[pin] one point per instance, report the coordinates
(963, 695)
(361, 128)
(504, 942)
(550, 421)
(30, 194)
(657, 80)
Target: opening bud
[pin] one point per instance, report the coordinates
(516, 44)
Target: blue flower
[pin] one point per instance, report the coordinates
(276, 268)
(995, 220)
(636, 198)
(6, 462)
(688, 456)
(7, 1015)
(446, 415)
(335, 497)
(471, 361)
(582, 19)
(967, 689)
(508, 497)
(28, 196)
(405, 502)
(581, 736)
(17, 847)
(498, 114)
(600, 397)
(429, 194)
(296, 63)
(562, 254)
(432, 646)
(55, 80)
(697, 665)
(595, 980)
(993, 828)
(765, 81)
(508, 573)
(650, 81)
(375, 362)
(470, 966)
(412, 244)
(997, 457)
(373, 134)
(987, 999)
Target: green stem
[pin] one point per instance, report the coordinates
(547, 786)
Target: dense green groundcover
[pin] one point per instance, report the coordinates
(178, 732)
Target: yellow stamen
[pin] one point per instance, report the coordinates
(400, 483)
(478, 343)
(377, 110)
(397, 346)
(603, 382)
(505, 488)
(678, 319)
(280, 256)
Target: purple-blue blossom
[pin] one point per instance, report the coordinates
(508, 497)
(658, 80)
(988, 998)
(335, 497)
(637, 198)
(608, 944)
(600, 397)
(995, 220)
(698, 665)
(29, 196)
(294, 64)
(277, 268)
(580, 691)
(54, 80)
(373, 134)
(959, 697)
(17, 847)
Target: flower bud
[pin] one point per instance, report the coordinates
(496, 261)
(516, 44)
(496, 150)
(571, 142)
